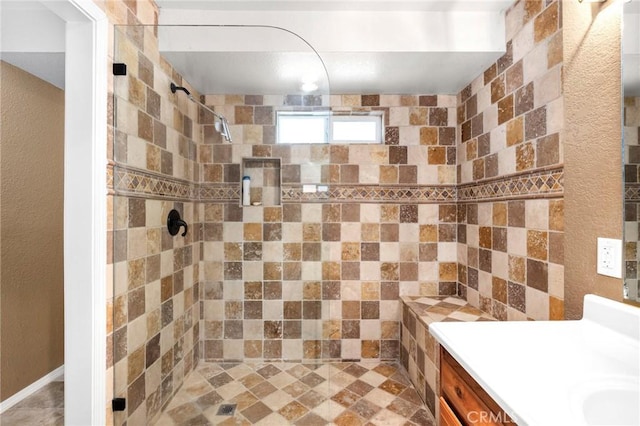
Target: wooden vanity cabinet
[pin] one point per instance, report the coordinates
(462, 399)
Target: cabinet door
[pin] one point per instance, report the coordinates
(466, 397)
(447, 416)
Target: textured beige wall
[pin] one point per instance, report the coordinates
(593, 176)
(31, 214)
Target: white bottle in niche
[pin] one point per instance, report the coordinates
(246, 191)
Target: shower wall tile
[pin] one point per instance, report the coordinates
(631, 122)
(154, 307)
(155, 303)
(510, 206)
(425, 132)
(464, 196)
(320, 276)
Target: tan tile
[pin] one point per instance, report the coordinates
(505, 109)
(548, 150)
(389, 174)
(350, 251)
(135, 364)
(546, 23)
(348, 418)
(428, 233)
(293, 411)
(499, 214)
(556, 308)
(437, 155)
(428, 136)
(471, 149)
(499, 289)
(517, 269)
(525, 156)
(515, 131)
(252, 232)
(370, 348)
(447, 271)
(556, 215)
(370, 291)
(485, 240)
(554, 50)
(537, 244)
(498, 89)
(531, 9)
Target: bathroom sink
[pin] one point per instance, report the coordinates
(608, 401)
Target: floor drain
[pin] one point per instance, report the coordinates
(226, 410)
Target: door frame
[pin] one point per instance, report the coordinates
(85, 210)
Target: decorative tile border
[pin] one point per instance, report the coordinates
(373, 193)
(130, 181)
(631, 192)
(219, 192)
(546, 183)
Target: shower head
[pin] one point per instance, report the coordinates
(226, 133)
(222, 126)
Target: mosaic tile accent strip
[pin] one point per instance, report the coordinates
(130, 181)
(219, 193)
(419, 353)
(548, 183)
(374, 193)
(298, 394)
(632, 192)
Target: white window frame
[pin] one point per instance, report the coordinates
(329, 118)
(375, 118)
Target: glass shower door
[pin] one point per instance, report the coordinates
(241, 300)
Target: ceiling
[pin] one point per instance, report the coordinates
(32, 38)
(366, 46)
(386, 47)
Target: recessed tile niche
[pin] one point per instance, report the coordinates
(265, 180)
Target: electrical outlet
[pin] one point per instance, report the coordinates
(610, 257)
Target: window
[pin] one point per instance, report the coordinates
(325, 127)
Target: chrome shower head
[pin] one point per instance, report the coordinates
(221, 127)
(226, 133)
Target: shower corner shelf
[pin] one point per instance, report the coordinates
(266, 180)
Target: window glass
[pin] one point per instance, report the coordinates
(315, 127)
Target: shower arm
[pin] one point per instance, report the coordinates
(224, 125)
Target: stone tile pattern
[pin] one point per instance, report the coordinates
(632, 193)
(124, 180)
(154, 314)
(509, 129)
(153, 310)
(308, 281)
(420, 352)
(45, 407)
(419, 140)
(298, 394)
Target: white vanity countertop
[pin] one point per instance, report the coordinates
(538, 371)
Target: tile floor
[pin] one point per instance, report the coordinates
(280, 394)
(43, 408)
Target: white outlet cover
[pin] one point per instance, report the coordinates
(609, 257)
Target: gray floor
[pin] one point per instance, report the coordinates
(45, 407)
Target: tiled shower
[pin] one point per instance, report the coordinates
(464, 198)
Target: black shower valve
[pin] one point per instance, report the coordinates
(174, 223)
